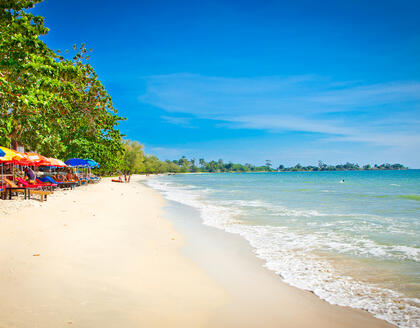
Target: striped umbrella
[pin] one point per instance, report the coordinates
(8, 155)
(56, 162)
(22, 159)
(38, 159)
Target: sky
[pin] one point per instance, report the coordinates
(247, 81)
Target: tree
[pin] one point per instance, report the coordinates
(134, 157)
(321, 165)
(50, 104)
(202, 162)
(183, 162)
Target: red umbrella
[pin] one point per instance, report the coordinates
(22, 159)
(38, 160)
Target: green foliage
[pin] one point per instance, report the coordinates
(134, 157)
(17, 5)
(50, 104)
(136, 161)
(341, 167)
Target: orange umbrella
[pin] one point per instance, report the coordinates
(38, 160)
(56, 162)
(22, 159)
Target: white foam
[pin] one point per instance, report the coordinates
(293, 255)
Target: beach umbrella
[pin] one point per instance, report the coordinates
(2, 154)
(56, 162)
(77, 162)
(7, 155)
(22, 159)
(92, 164)
(38, 160)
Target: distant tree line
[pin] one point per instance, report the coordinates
(136, 161)
(342, 167)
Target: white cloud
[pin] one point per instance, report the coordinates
(383, 114)
(208, 96)
(183, 121)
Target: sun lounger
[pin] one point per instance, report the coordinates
(58, 183)
(42, 193)
(66, 184)
(26, 184)
(48, 185)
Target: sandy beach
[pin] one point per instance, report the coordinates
(107, 255)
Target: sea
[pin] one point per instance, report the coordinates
(350, 237)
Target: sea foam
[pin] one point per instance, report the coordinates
(293, 255)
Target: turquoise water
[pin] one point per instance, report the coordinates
(353, 243)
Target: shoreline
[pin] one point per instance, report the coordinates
(107, 255)
(233, 264)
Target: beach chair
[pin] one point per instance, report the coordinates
(42, 193)
(58, 183)
(48, 185)
(26, 184)
(72, 178)
(9, 183)
(65, 182)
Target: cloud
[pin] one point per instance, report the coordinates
(289, 123)
(183, 121)
(371, 95)
(209, 96)
(383, 114)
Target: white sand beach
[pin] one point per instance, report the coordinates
(104, 256)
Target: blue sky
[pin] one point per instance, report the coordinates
(246, 81)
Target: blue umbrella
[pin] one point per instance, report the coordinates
(2, 153)
(92, 163)
(77, 162)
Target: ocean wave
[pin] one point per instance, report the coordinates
(293, 254)
(355, 244)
